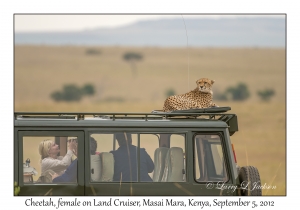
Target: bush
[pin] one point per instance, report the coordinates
(57, 96)
(71, 92)
(220, 96)
(266, 94)
(92, 52)
(170, 92)
(88, 89)
(238, 93)
(132, 56)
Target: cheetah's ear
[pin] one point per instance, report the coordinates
(212, 81)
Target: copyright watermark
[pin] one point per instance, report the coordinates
(209, 185)
(243, 186)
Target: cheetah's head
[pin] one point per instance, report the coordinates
(204, 85)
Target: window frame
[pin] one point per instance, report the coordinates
(79, 186)
(138, 132)
(225, 156)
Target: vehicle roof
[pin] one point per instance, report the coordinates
(193, 118)
(92, 122)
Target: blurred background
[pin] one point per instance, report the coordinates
(132, 63)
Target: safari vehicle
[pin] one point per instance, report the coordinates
(191, 150)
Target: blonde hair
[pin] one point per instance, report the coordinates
(44, 148)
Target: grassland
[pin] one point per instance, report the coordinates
(261, 139)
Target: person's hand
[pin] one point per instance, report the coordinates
(71, 145)
(54, 175)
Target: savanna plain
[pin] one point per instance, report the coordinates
(261, 140)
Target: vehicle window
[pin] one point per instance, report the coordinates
(49, 159)
(137, 157)
(177, 140)
(209, 159)
(110, 152)
(149, 142)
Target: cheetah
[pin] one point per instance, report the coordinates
(200, 97)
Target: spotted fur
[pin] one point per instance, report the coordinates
(200, 97)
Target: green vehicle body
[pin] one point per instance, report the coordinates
(81, 125)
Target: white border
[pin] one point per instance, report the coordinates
(8, 8)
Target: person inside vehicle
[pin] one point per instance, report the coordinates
(126, 164)
(70, 174)
(50, 160)
(93, 146)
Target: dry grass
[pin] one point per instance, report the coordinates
(262, 135)
(41, 70)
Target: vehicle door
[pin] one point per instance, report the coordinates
(212, 173)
